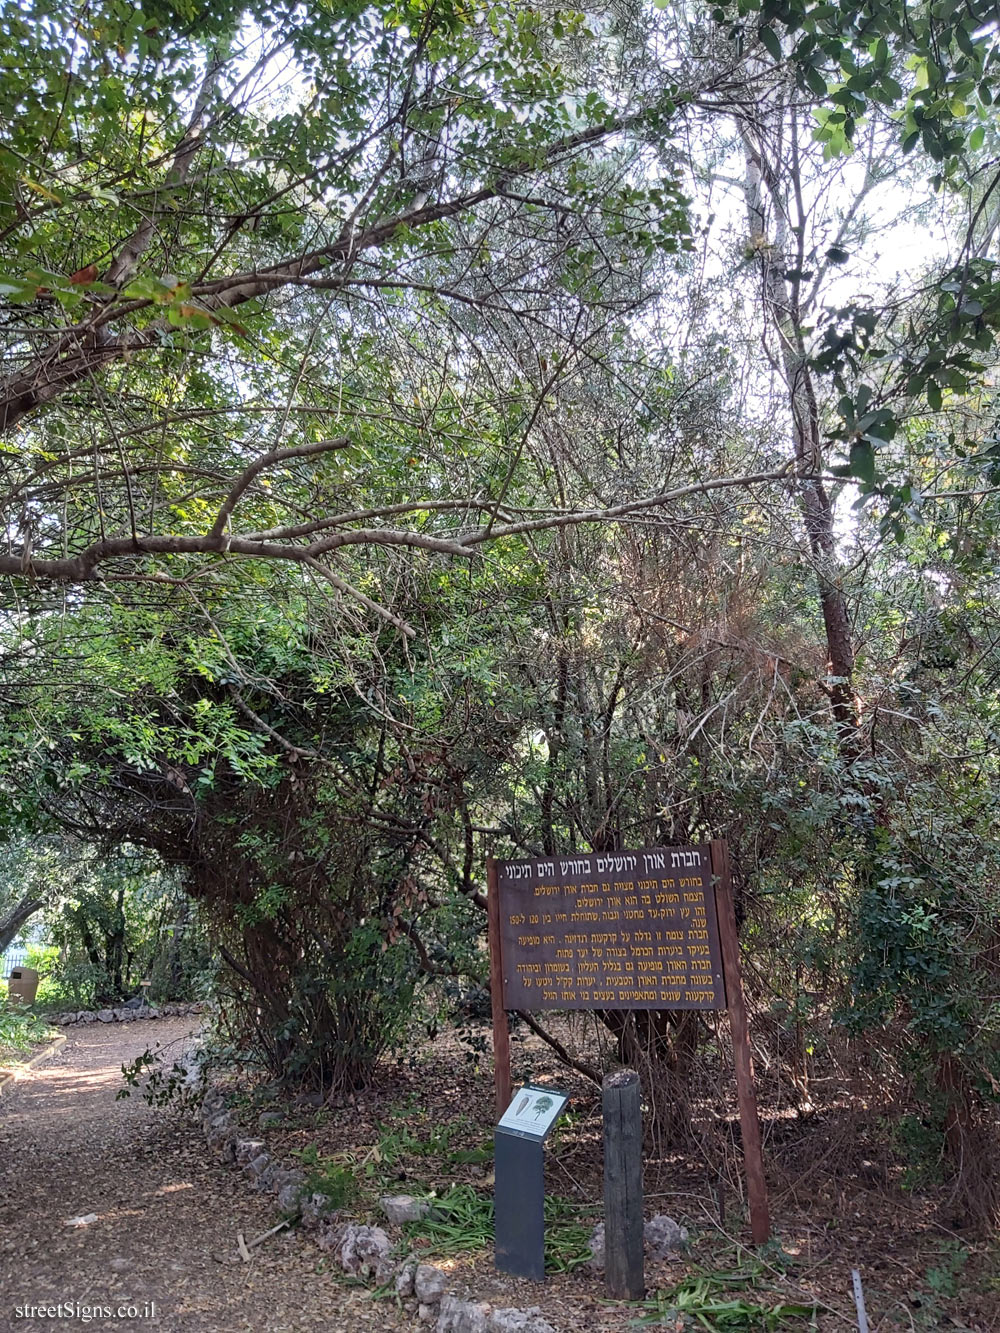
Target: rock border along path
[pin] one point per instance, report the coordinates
(166, 1216)
(363, 1252)
(124, 1014)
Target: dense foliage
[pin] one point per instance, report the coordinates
(431, 432)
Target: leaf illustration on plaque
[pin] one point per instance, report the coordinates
(521, 1105)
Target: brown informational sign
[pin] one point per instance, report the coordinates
(621, 930)
(651, 929)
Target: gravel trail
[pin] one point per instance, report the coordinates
(167, 1214)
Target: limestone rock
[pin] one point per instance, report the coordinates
(290, 1193)
(314, 1209)
(216, 1134)
(328, 1237)
(404, 1278)
(194, 1079)
(268, 1119)
(428, 1284)
(458, 1316)
(214, 1100)
(400, 1208)
(596, 1243)
(663, 1237)
(290, 1198)
(385, 1270)
(257, 1165)
(361, 1249)
(510, 1320)
(105, 1016)
(270, 1178)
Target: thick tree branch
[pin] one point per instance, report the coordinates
(581, 1066)
(575, 517)
(124, 263)
(86, 348)
(86, 567)
(11, 923)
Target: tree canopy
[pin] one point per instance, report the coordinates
(429, 431)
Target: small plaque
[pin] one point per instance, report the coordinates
(533, 1111)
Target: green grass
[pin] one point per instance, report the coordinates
(324, 1175)
(461, 1222)
(708, 1301)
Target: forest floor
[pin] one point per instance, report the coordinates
(837, 1202)
(166, 1213)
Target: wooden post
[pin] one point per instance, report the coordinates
(753, 1156)
(501, 1031)
(623, 1258)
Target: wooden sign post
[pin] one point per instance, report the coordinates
(623, 1239)
(650, 929)
(501, 1029)
(753, 1156)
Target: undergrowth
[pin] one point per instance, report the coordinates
(20, 1029)
(324, 1175)
(398, 1139)
(708, 1301)
(461, 1221)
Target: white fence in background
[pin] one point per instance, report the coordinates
(16, 956)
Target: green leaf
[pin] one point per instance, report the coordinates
(771, 43)
(815, 81)
(862, 461)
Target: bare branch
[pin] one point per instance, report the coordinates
(343, 586)
(577, 516)
(260, 464)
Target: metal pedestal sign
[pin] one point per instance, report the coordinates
(519, 1191)
(649, 929)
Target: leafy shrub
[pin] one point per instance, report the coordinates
(20, 1028)
(325, 1175)
(162, 1084)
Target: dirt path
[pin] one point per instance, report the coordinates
(167, 1215)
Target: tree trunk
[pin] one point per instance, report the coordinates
(780, 254)
(11, 923)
